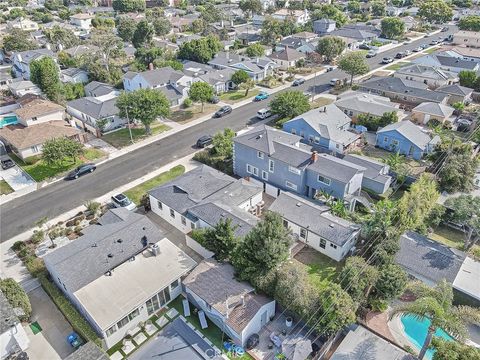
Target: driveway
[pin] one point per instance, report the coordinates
(17, 178)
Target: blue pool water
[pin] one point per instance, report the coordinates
(416, 331)
(8, 120)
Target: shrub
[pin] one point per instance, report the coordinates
(92, 207)
(379, 305)
(187, 103)
(35, 265)
(38, 236)
(18, 245)
(70, 223)
(145, 202)
(90, 217)
(78, 229)
(17, 297)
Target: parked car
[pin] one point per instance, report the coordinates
(333, 82)
(371, 54)
(80, 171)
(330, 68)
(204, 141)
(224, 110)
(445, 29)
(400, 55)
(434, 42)
(307, 94)
(418, 49)
(122, 201)
(74, 340)
(424, 46)
(263, 114)
(298, 82)
(408, 41)
(365, 47)
(7, 164)
(387, 60)
(215, 99)
(261, 96)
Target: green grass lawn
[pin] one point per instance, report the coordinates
(232, 97)
(121, 138)
(194, 112)
(452, 238)
(39, 170)
(5, 189)
(321, 101)
(430, 51)
(135, 194)
(321, 269)
(397, 66)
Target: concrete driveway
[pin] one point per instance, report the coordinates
(16, 177)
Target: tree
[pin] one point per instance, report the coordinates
(125, 6)
(435, 11)
(263, 248)
(61, 36)
(378, 8)
(466, 212)
(162, 26)
(247, 86)
(289, 104)
(18, 40)
(223, 143)
(239, 77)
(72, 91)
(453, 350)
(470, 22)
(329, 11)
(143, 34)
(144, 105)
(174, 64)
(372, 123)
(458, 173)
(200, 50)
(109, 44)
(17, 297)
(251, 6)
(56, 150)
(392, 27)
(467, 78)
(391, 282)
(64, 59)
(435, 305)
(126, 28)
(44, 73)
(462, 3)
(271, 30)
(201, 91)
(255, 50)
(330, 47)
(353, 6)
(358, 278)
(146, 56)
(354, 64)
(219, 239)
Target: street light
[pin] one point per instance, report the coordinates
(128, 124)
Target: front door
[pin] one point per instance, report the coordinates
(263, 320)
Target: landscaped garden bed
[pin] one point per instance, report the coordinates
(121, 138)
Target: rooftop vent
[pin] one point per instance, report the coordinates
(110, 255)
(155, 249)
(119, 241)
(108, 273)
(299, 204)
(331, 225)
(144, 241)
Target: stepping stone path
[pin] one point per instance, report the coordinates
(116, 356)
(162, 321)
(151, 329)
(139, 338)
(172, 313)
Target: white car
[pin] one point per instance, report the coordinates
(333, 82)
(122, 201)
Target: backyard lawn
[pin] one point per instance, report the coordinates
(320, 101)
(233, 97)
(121, 138)
(397, 66)
(452, 238)
(183, 116)
(321, 269)
(5, 188)
(39, 170)
(136, 193)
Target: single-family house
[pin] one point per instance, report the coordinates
(432, 76)
(21, 61)
(79, 50)
(403, 91)
(20, 87)
(424, 112)
(325, 128)
(281, 162)
(462, 52)
(22, 23)
(249, 37)
(324, 26)
(287, 58)
(316, 226)
(220, 80)
(407, 139)
(13, 338)
(355, 35)
(299, 17)
(448, 63)
(232, 305)
(74, 76)
(258, 68)
(305, 36)
(456, 93)
(362, 341)
(87, 112)
(97, 88)
(267, 3)
(467, 38)
(37, 111)
(356, 103)
(410, 22)
(298, 44)
(5, 77)
(376, 176)
(202, 197)
(82, 20)
(119, 273)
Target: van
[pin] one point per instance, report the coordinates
(263, 113)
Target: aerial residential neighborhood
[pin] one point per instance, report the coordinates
(244, 179)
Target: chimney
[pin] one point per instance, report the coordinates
(155, 249)
(150, 66)
(243, 300)
(314, 156)
(222, 24)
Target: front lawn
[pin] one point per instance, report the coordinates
(452, 238)
(39, 170)
(136, 193)
(397, 66)
(321, 101)
(431, 50)
(121, 138)
(233, 97)
(183, 116)
(321, 269)
(5, 189)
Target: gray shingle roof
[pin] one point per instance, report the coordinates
(157, 76)
(335, 168)
(30, 55)
(315, 218)
(366, 103)
(89, 351)
(427, 258)
(289, 54)
(374, 169)
(455, 89)
(449, 61)
(356, 34)
(96, 88)
(426, 71)
(434, 109)
(95, 108)
(410, 131)
(86, 259)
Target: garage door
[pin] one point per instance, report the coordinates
(272, 190)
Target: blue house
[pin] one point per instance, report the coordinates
(325, 129)
(407, 139)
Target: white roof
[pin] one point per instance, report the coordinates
(467, 278)
(109, 298)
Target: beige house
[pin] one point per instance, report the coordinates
(467, 38)
(39, 111)
(287, 58)
(427, 111)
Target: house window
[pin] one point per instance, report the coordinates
(264, 175)
(311, 138)
(250, 169)
(164, 296)
(34, 118)
(294, 170)
(317, 140)
(160, 206)
(260, 154)
(123, 322)
(294, 132)
(174, 284)
(111, 331)
(395, 142)
(172, 213)
(184, 221)
(333, 245)
(152, 305)
(285, 223)
(303, 233)
(255, 171)
(271, 165)
(34, 148)
(323, 243)
(385, 139)
(192, 225)
(324, 180)
(133, 314)
(290, 185)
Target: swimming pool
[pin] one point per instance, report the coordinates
(8, 120)
(416, 332)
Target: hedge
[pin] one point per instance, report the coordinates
(79, 324)
(17, 297)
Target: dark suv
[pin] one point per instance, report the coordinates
(205, 140)
(224, 110)
(80, 171)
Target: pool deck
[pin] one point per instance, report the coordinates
(396, 329)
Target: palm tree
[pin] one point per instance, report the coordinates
(435, 304)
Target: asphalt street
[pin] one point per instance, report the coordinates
(19, 215)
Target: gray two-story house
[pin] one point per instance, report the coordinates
(281, 162)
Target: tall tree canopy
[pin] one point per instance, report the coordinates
(465, 211)
(289, 104)
(200, 50)
(330, 47)
(45, 74)
(125, 6)
(18, 40)
(392, 27)
(143, 34)
(354, 64)
(435, 11)
(201, 91)
(126, 28)
(458, 173)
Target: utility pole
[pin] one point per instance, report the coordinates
(128, 124)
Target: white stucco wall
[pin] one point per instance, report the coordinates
(10, 338)
(57, 115)
(255, 325)
(164, 213)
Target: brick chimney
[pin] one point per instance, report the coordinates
(314, 156)
(150, 66)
